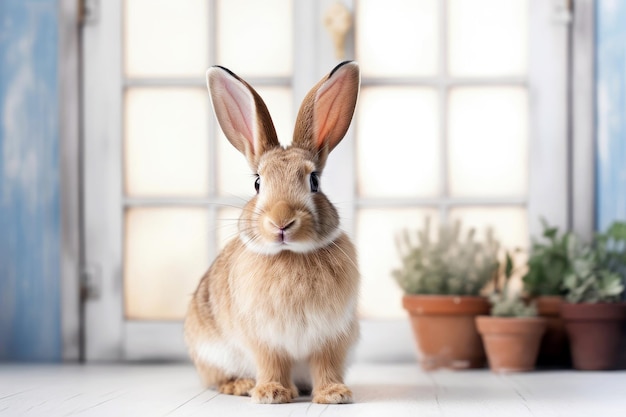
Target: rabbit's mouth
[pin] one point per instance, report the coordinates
(280, 243)
(285, 227)
(284, 241)
(282, 238)
(285, 233)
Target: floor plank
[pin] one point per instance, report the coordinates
(379, 390)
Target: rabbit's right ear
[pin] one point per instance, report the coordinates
(327, 110)
(242, 114)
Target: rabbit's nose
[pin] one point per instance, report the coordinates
(279, 226)
(281, 217)
(287, 226)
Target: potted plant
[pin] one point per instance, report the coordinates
(594, 313)
(614, 244)
(442, 281)
(548, 263)
(513, 332)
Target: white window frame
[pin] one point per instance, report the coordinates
(551, 193)
(71, 217)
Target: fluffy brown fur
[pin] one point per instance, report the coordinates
(282, 296)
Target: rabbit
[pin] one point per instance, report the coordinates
(278, 305)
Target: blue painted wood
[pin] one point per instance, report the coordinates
(610, 112)
(29, 182)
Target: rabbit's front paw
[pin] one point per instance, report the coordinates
(271, 393)
(333, 394)
(241, 386)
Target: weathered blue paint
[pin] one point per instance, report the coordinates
(29, 182)
(610, 112)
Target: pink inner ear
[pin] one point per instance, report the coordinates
(326, 114)
(234, 104)
(333, 109)
(241, 110)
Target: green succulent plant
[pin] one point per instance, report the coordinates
(549, 262)
(505, 302)
(594, 274)
(453, 264)
(611, 246)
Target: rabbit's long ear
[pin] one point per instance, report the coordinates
(242, 114)
(327, 110)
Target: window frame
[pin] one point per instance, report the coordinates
(70, 179)
(102, 228)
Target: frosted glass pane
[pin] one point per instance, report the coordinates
(227, 219)
(255, 37)
(398, 142)
(488, 37)
(397, 37)
(234, 175)
(510, 224)
(376, 235)
(165, 255)
(165, 38)
(166, 142)
(488, 142)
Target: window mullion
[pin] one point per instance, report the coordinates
(212, 211)
(443, 109)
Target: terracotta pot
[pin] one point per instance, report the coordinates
(512, 343)
(445, 331)
(554, 348)
(594, 332)
(621, 364)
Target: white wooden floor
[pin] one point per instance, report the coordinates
(379, 390)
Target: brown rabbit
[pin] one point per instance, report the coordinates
(278, 305)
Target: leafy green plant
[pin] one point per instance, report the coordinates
(505, 302)
(611, 247)
(454, 264)
(589, 283)
(548, 262)
(597, 270)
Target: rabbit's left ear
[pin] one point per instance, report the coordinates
(242, 114)
(326, 111)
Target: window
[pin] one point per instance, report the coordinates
(442, 125)
(181, 177)
(447, 122)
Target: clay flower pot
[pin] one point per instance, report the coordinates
(554, 348)
(512, 343)
(594, 332)
(445, 331)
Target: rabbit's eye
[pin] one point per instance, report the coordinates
(257, 184)
(315, 182)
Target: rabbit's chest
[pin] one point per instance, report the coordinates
(295, 316)
(301, 331)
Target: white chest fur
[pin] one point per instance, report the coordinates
(296, 309)
(298, 333)
(301, 333)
